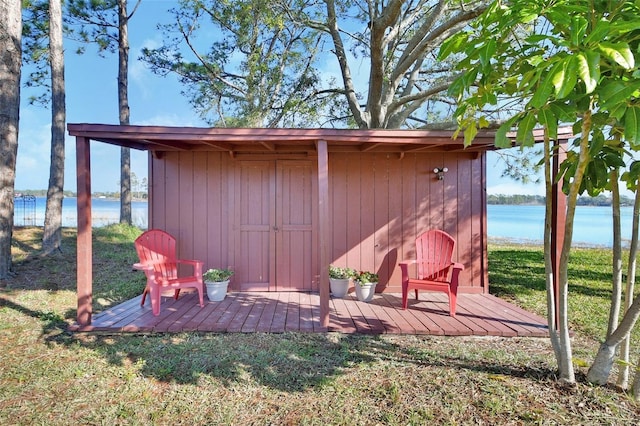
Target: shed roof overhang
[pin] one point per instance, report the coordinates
(261, 140)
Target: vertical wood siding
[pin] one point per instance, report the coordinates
(225, 211)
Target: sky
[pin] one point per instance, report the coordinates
(91, 97)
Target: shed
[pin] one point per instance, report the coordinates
(278, 206)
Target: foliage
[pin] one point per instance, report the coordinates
(35, 48)
(365, 277)
(257, 72)
(340, 273)
(580, 71)
(94, 22)
(396, 43)
(262, 68)
(217, 275)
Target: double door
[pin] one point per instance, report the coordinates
(273, 225)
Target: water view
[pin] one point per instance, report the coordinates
(592, 225)
(520, 223)
(104, 212)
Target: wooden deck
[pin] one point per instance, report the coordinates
(477, 314)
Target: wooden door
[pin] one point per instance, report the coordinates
(294, 225)
(273, 225)
(253, 215)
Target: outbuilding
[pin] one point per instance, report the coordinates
(278, 206)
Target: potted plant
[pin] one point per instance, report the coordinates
(340, 279)
(217, 281)
(365, 283)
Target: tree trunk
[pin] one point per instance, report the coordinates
(10, 66)
(123, 108)
(616, 290)
(623, 375)
(548, 261)
(52, 237)
(603, 363)
(565, 361)
(635, 389)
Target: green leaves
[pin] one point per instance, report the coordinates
(616, 92)
(565, 76)
(589, 69)
(619, 53)
(632, 125)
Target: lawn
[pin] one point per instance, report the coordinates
(49, 376)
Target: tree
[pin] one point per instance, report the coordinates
(52, 236)
(10, 72)
(400, 39)
(106, 23)
(580, 70)
(42, 37)
(257, 73)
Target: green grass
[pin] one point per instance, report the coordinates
(517, 273)
(49, 376)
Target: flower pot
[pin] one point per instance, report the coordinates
(216, 290)
(365, 291)
(339, 286)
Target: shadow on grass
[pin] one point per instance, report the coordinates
(290, 362)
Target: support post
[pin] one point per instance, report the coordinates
(323, 229)
(558, 218)
(84, 244)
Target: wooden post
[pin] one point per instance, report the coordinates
(84, 244)
(323, 230)
(558, 218)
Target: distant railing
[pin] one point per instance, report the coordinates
(24, 210)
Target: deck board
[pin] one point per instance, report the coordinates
(279, 312)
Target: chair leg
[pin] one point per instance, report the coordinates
(453, 299)
(176, 294)
(144, 295)
(201, 296)
(405, 294)
(156, 296)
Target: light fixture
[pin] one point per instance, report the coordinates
(440, 171)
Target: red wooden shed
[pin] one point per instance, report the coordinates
(279, 205)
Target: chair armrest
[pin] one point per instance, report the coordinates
(143, 266)
(197, 265)
(190, 262)
(404, 268)
(457, 265)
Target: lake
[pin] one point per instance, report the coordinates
(592, 225)
(104, 212)
(507, 222)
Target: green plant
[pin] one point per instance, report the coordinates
(339, 273)
(217, 275)
(364, 277)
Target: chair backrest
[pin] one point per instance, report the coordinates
(159, 249)
(434, 251)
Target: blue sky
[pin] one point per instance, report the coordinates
(92, 98)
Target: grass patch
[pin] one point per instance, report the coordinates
(49, 376)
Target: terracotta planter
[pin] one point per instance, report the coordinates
(339, 286)
(216, 290)
(365, 291)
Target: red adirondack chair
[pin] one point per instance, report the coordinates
(157, 252)
(435, 269)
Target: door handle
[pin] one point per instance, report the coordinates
(275, 228)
